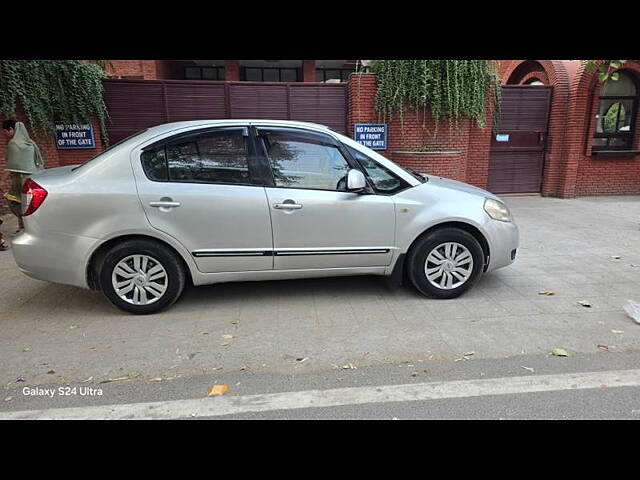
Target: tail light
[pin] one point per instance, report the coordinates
(33, 197)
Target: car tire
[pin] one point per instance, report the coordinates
(142, 276)
(430, 254)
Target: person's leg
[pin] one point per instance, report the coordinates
(14, 197)
(3, 245)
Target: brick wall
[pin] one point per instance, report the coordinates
(597, 174)
(458, 152)
(570, 168)
(141, 69)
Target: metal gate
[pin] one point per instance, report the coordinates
(137, 104)
(517, 151)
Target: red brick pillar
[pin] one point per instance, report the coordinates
(232, 71)
(148, 69)
(362, 94)
(308, 70)
(479, 148)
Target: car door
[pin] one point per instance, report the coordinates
(204, 189)
(316, 222)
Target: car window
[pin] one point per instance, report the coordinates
(154, 163)
(214, 157)
(383, 180)
(301, 162)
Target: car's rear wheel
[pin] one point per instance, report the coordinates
(445, 263)
(142, 276)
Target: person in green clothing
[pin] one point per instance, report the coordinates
(23, 158)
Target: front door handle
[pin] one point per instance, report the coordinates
(165, 204)
(287, 206)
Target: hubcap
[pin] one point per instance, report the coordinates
(139, 279)
(448, 265)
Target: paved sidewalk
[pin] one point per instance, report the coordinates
(566, 246)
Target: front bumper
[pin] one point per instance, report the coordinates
(54, 257)
(503, 240)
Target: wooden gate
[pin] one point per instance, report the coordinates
(137, 104)
(517, 151)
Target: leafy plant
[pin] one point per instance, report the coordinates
(452, 89)
(606, 70)
(48, 90)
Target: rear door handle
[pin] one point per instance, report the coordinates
(287, 206)
(164, 203)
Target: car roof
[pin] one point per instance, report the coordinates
(167, 127)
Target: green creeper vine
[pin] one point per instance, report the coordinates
(452, 89)
(47, 90)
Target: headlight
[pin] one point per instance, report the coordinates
(497, 210)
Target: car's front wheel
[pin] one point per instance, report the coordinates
(142, 276)
(445, 263)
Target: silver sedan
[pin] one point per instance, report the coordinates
(218, 201)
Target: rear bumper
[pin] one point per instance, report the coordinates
(503, 240)
(58, 258)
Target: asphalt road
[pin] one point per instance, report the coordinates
(280, 394)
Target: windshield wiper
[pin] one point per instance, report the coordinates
(419, 176)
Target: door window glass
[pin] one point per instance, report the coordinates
(218, 157)
(299, 162)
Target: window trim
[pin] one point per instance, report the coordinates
(628, 137)
(256, 179)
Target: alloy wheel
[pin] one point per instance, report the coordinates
(449, 265)
(139, 279)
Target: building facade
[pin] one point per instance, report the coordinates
(562, 133)
(233, 70)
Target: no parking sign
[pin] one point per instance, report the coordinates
(74, 136)
(372, 135)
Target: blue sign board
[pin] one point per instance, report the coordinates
(74, 136)
(372, 135)
(502, 137)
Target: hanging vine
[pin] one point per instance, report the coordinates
(452, 89)
(47, 90)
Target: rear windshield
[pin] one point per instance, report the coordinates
(110, 147)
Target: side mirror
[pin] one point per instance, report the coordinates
(356, 181)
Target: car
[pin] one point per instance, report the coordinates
(203, 202)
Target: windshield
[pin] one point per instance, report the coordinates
(110, 147)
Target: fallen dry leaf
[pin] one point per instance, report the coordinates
(584, 303)
(216, 390)
(617, 331)
(546, 292)
(528, 368)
